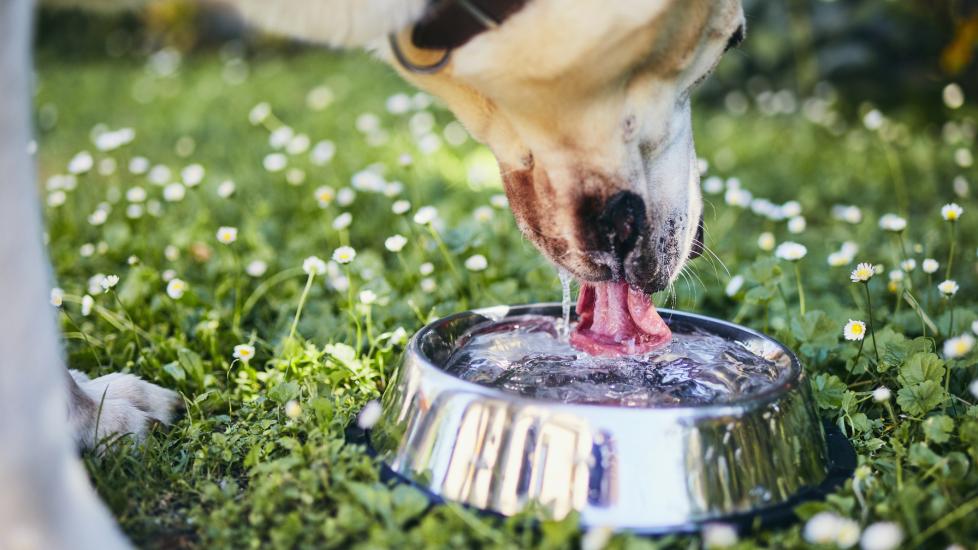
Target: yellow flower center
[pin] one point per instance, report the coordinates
(856, 329)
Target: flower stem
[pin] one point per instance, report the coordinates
(950, 252)
(801, 291)
(302, 302)
(872, 330)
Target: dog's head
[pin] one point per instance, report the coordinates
(586, 107)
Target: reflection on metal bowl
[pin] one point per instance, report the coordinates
(651, 469)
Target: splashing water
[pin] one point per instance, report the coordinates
(526, 356)
(565, 283)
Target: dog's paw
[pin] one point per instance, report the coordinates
(116, 405)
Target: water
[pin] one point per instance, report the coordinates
(527, 356)
(565, 284)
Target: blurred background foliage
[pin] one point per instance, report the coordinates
(884, 51)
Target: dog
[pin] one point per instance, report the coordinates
(585, 104)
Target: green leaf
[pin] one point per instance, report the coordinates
(765, 270)
(920, 399)
(938, 428)
(408, 502)
(174, 370)
(283, 392)
(829, 391)
(896, 348)
(815, 328)
(192, 364)
(760, 295)
(921, 367)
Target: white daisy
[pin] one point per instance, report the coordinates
(345, 196)
(295, 176)
(797, 225)
(298, 144)
(483, 214)
(108, 282)
(882, 394)
(57, 198)
(953, 96)
(274, 162)
(138, 165)
(958, 346)
(81, 163)
(243, 352)
(256, 268)
(597, 538)
(892, 223)
(367, 297)
(822, 528)
(292, 409)
(948, 288)
(930, 266)
(314, 265)
(951, 212)
(908, 265)
(426, 268)
(791, 251)
(791, 209)
(499, 201)
(57, 297)
(477, 262)
(839, 259)
(325, 195)
(863, 272)
(280, 137)
(342, 221)
(974, 327)
(854, 330)
(428, 285)
(734, 285)
(159, 175)
(192, 175)
(322, 153)
(425, 215)
(719, 535)
(713, 185)
(400, 207)
(87, 304)
(882, 535)
(369, 415)
(344, 255)
(136, 194)
(259, 113)
(766, 241)
(227, 235)
(176, 288)
(134, 211)
(225, 189)
(395, 243)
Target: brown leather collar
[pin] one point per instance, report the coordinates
(448, 24)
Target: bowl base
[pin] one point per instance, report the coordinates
(841, 465)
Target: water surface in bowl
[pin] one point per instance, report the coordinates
(526, 355)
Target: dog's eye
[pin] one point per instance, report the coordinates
(736, 38)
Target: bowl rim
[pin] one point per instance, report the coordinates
(762, 398)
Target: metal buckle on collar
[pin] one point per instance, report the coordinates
(476, 12)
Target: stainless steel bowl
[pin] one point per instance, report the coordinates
(644, 469)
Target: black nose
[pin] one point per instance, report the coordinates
(622, 220)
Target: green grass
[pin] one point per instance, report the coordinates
(236, 471)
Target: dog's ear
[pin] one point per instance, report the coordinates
(343, 23)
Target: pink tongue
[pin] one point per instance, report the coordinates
(614, 319)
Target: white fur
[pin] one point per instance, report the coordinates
(116, 405)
